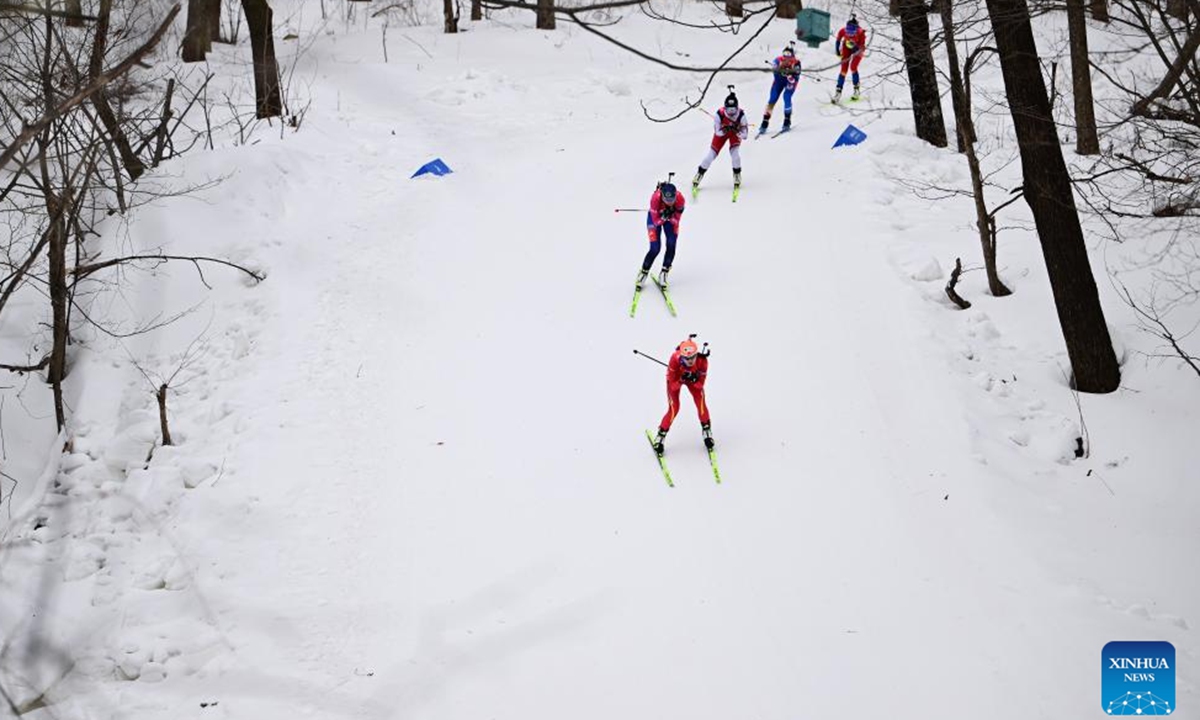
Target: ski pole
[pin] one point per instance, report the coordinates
(651, 357)
(631, 210)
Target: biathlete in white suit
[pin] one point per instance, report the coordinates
(729, 126)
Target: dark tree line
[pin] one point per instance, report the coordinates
(204, 28)
(1047, 187)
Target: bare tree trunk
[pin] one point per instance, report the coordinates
(195, 37)
(451, 18)
(262, 46)
(1178, 9)
(133, 165)
(476, 10)
(57, 234)
(58, 304)
(733, 8)
(1099, 10)
(1174, 74)
(984, 222)
(74, 10)
(963, 125)
(212, 15)
(922, 75)
(545, 14)
(160, 141)
(1087, 141)
(787, 9)
(1050, 197)
(56, 207)
(162, 415)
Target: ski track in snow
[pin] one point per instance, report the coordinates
(427, 494)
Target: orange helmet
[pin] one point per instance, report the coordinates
(687, 349)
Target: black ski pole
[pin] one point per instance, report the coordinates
(660, 362)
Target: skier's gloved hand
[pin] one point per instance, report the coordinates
(690, 377)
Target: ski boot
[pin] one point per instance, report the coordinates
(762, 129)
(641, 278)
(658, 441)
(662, 277)
(696, 180)
(787, 121)
(837, 96)
(708, 441)
(737, 178)
(857, 95)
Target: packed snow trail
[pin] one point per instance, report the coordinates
(446, 508)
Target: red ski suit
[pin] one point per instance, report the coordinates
(675, 371)
(850, 48)
(656, 218)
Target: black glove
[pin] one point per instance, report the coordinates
(690, 377)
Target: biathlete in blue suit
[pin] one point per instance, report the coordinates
(666, 210)
(786, 69)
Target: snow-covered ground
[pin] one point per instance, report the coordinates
(412, 482)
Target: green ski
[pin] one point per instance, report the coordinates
(661, 463)
(712, 460)
(737, 189)
(666, 296)
(637, 294)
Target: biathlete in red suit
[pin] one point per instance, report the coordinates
(688, 368)
(666, 208)
(850, 45)
(730, 126)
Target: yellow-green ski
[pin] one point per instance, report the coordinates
(662, 464)
(712, 459)
(666, 295)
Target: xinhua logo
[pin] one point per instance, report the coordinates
(1138, 678)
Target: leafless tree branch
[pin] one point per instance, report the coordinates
(66, 106)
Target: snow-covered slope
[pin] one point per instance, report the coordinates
(413, 483)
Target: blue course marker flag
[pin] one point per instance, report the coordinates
(433, 167)
(850, 136)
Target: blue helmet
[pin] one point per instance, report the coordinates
(852, 23)
(668, 192)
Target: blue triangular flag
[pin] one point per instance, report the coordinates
(433, 167)
(850, 136)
